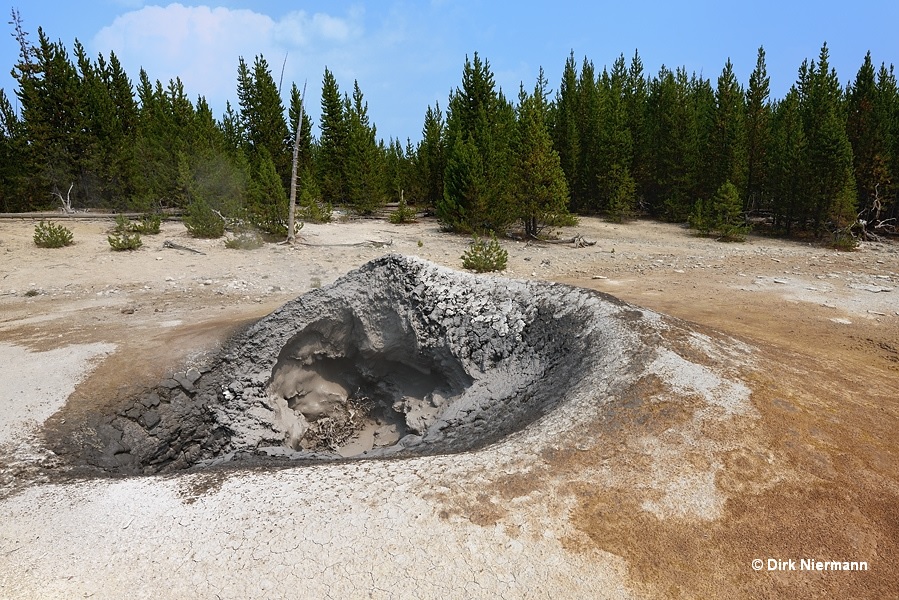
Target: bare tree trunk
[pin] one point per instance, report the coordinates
(292, 209)
(67, 201)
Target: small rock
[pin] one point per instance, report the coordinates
(151, 419)
(870, 288)
(150, 400)
(184, 382)
(128, 310)
(386, 435)
(192, 375)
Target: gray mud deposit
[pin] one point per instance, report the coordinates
(399, 357)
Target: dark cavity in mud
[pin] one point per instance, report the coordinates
(400, 357)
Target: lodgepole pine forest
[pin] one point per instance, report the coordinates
(820, 162)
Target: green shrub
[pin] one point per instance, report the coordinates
(699, 219)
(122, 224)
(203, 222)
(403, 214)
(123, 240)
(484, 256)
(721, 216)
(51, 235)
(730, 232)
(149, 224)
(309, 208)
(315, 212)
(845, 241)
(246, 240)
(565, 219)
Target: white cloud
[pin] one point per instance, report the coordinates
(201, 44)
(392, 51)
(301, 29)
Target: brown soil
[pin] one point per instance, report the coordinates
(815, 476)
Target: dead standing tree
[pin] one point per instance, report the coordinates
(67, 201)
(292, 209)
(870, 225)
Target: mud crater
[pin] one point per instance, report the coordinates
(332, 389)
(400, 357)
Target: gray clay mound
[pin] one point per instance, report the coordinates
(399, 357)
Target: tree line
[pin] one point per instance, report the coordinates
(619, 142)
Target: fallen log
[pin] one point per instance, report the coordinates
(578, 241)
(365, 244)
(174, 246)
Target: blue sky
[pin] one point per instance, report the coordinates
(408, 55)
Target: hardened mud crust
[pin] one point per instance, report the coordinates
(399, 357)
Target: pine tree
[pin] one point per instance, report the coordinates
(675, 149)
(14, 155)
(564, 125)
(205, 134)
(586, 196)
(262, 117)
(155, 167)
(616, 186)
(232, 130)
(540, 190)
(12, 146)
(175, 142)
(636, 102)
(727, 213)
(868, 130)
(108, 123)
(728, 140)
(398, 172)
(701, 163)
(49, 93)
(888, 115)
(364, 165)
(410, 172)
(267, 200)
(333, 143)
(758, 135)
(431, 156)
(480, 127)
(787, 174)
(466, 188)
(828, 155)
